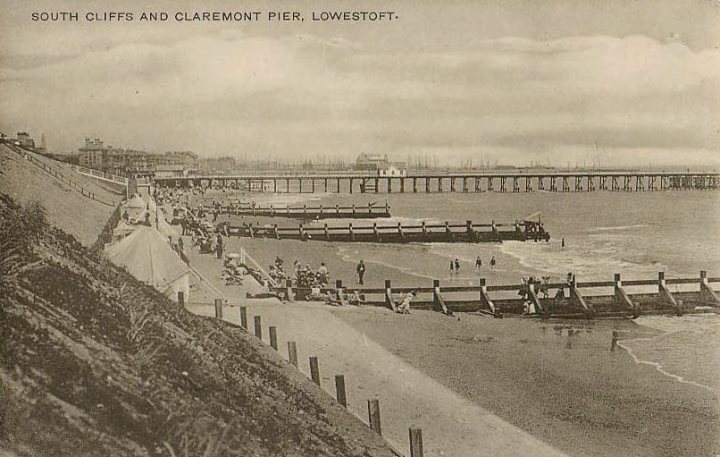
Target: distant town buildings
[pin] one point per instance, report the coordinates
(381, 165)
(95, 154)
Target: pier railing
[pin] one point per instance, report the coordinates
(556, 299)
(511, 182)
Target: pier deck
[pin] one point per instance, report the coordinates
(510, 182)
(305, 212)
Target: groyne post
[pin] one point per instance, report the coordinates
(292, 353)
(314, 370)
(416, 443)
(666, 295)
(706, 292)
(374, 415)
(288, 290)
(622, 298)
(485, 298)
(273, 337)
(339, 291)
(258, 327)
(218, 308)
(388, 295)
(436, 295)
(181, 298)
(340, 389)
(243, 317)
(614, 340)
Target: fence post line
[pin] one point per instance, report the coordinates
(243, 317)
(292, 353)
(258, 327)
(340, 389)
(314, 370)
(218, 308)
(273, 337)
(374, 415)
(416, 444)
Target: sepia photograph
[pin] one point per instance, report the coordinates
(399, 228)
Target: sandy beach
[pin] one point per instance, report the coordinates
(556, 381)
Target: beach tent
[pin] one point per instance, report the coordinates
(146, 254)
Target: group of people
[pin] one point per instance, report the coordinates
(455, 264)
(305, 276)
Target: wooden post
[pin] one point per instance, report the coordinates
(273, 337)
(289, 290)
(388, 295)
(292, 353)
(340, 389)
(436, 296)
(416, 444)
(218, 308)
(613, 342)
(374, 415)
(258, 327)
(314, 370)
(243, 317)
(181, 298)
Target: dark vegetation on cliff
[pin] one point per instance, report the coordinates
(93, 362)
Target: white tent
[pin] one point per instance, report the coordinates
(146, 255)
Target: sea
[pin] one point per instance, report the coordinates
(636, 234)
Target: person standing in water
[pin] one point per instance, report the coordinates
(478, 262)
(492, 262)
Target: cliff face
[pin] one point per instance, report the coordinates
(93, 362)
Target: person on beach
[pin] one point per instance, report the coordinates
(404, 307)
(452, 266)
(478, 262)
(492, 262)
(323, 274)
(360, 271)
(457, 265)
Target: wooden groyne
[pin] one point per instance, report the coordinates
(446, 233)
(305, 212)
(559, 300)
(551, 181)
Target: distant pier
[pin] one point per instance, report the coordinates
(422, 233)
(306, 212)
(456, 182)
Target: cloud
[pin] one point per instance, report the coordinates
(232, 93)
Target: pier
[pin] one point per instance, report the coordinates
(446, 233)
(508, 182)
(305, 212)
(552, 300)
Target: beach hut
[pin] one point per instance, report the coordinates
(146, 254)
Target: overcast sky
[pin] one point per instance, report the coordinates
(607, 82)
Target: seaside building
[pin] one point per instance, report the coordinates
(381, 165)
(23, 139)
(130, 162)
